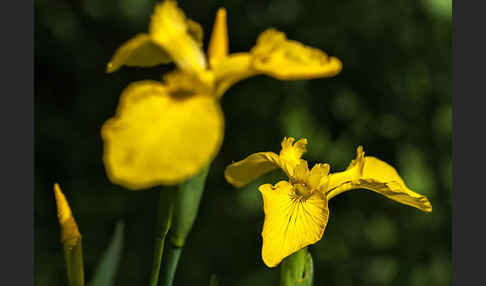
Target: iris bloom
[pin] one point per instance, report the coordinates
(164, 132)
(296, 211)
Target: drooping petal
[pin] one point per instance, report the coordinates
(291, 223)
(70, 235)
(285, 59)
(169, 28)
(258, 164)
(139, 51)
(252, 167)
(219, 45)
(159, 139)
(366, 172)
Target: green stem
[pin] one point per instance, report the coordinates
(297, 269)
(159, 250)
(170, 267)
(164, 219)
(186, 206)
(74, 264)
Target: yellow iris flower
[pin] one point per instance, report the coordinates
(296, 211)
(164, 132)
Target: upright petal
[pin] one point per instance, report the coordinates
(291, 153)
(218, 45)
(252, 167)
(170, 29)
(370, 173)
(291, 223)
(139, 51)
(301, 172)
(285, 59)
(318, 176)
(159, 139)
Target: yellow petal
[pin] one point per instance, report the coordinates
(258, 164)
(290, 223)
(293, 151)
(370, 173)
(318, 175)
(159, 139)
(290, 155)
(285, 59)
(181, 83)
(218, 45)
(230, 70)
(139, 51)
(301, 172)
(196, 31)
(70, 234)
(251, 168)
(170, 29)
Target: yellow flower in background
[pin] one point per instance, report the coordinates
(296, 211)
(171, 37)
(157, 138)
(165, 132)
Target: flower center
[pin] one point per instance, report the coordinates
(302, 190)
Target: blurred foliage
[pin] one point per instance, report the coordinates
(105, 273)
(393, 96)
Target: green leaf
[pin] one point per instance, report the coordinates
(105, 273)
(213, 281)
(297, 269)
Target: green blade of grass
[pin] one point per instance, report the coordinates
(106, 272)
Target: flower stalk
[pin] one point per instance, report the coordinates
(297, 269)
(186, 206)
(74, 265)
(164, 220)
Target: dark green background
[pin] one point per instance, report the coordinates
(393, 96)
